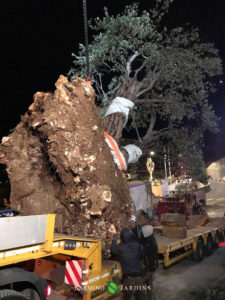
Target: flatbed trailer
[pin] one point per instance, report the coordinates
(199, 241)
(72, 261)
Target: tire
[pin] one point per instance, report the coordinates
(209, 245)
(216, 240)
(11, 295)
(31, 294)
(198, 253)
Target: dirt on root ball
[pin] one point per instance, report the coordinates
(58, 162)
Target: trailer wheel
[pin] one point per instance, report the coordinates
(216, 240)
(209, 245)
(11, 295)
(30, 294)
(198, 253)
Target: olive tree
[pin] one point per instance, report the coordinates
(167, 73)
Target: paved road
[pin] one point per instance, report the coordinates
(186, 278)
(183, 280)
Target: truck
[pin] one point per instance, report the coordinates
(200, 241)
(33, 258)
(32, 255)
(202, 236)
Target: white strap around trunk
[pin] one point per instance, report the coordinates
(134, 153)
(116, 159)
(122, 105)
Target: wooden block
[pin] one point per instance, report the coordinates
(174, 231)
(173, 218)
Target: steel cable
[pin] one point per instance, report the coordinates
(86, 36)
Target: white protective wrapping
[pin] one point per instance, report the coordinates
(115, 158)
(122, 105)
(134, 153)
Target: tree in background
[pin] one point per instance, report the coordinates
(188, 154)
(168, 74)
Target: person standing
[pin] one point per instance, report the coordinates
(129, 255)
(149, 257)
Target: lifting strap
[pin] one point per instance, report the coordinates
(115, 148)
(86, 36)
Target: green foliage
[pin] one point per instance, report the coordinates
(168, 74)
(186, 151)
(194, 165)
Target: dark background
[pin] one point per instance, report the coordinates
(37, 38)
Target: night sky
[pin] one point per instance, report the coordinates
(37, 38)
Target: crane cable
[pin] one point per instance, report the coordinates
(86, 37)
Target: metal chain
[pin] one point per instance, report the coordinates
(86, 35)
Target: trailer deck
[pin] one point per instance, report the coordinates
(175, 249)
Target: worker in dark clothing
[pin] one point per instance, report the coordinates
(150, 248)
(138, 234)
(129, 252)
(149, 254)
(149, 257)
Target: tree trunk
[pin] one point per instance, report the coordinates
(58, 162)
(114, 125)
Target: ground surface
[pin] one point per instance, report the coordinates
(187, 279)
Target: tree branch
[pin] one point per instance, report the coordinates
(140, 68)
(99, 85)
(114, 90)
(110, 68)
(164, 131)
(151, 126)
(128, 68)
(150, 85)
(141, 101)
(147, 142)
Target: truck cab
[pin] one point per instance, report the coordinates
(31, 255)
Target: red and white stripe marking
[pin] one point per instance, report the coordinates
(73, 273)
